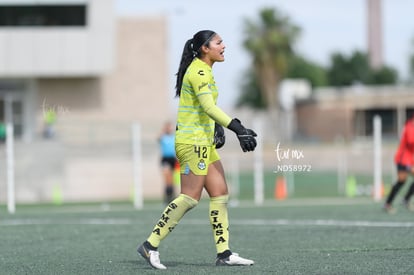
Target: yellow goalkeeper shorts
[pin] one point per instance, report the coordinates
(195, 158)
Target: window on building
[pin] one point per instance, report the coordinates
(42, 15)
(409, 112)
(363, 122)
(14, 91)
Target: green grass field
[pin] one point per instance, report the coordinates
(306, 185)
(295, 236)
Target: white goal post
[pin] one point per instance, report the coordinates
(137, 165)
(11, 202)
(377, 142)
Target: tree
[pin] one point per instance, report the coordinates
(300, 67)
(251, 95)
(270, 41)
(384, 75)
(345, 71)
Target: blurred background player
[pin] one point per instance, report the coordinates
(50, 118)
(2, 132)
(200, 163)
(168, 159)
(404, 159)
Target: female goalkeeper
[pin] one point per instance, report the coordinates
(196, 150)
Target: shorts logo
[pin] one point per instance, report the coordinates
(186, 169)
(201, 164)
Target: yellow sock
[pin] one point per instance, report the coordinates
(220, 222)
(170, 217)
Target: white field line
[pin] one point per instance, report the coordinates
(247, 222)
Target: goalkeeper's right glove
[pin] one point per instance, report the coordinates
(219, 136)
(245, 136)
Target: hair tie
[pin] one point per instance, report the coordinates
(194, 53)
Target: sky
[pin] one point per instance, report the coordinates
(327, 26)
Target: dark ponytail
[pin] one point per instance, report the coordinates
(192, 49)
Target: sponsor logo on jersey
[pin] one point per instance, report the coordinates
(202, 85)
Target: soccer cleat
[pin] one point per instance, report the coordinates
(152, 257)
(389, 209)
(409, 206)
(234, 259)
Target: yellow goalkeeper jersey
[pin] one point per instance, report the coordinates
(197, 110)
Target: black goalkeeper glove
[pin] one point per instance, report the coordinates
(246, 136)
(219, 136)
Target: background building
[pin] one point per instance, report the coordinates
(96, 76)
(347, 113)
